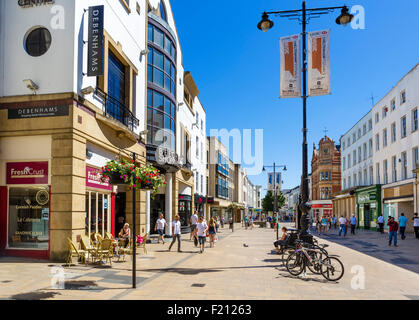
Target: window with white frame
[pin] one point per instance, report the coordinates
(359, 154)
(344, 163)
(414, 119)
(354, 157)
(349, 182)
(369, 125)
(365, 150)
(394, 168)
(364, 129)
(393, 104)
(377, 173)
(370, 148)
(371, 175)
(404, 165)
(377, 117)
(415, 157)
(393, 132)
(403, 97)
(403, 127)
(385, 138)
(377, 142)
(349, 161)
(385, 110)
(385, 171)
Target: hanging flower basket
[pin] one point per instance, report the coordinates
(115, 178)
(125, 172)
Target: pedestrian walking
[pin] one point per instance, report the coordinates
(217, 224)
(159, 227)
(176, 233)
(380, 221)
(416, 225)
(402, 225)
(212, 230)
(251, 223)
(342, 224)
(392, 231)
(329, 220)
(335, 222)
(324, 224)
(231, 221)
(222, 222)
(202, 229)
(353, 224)
(245, 222)
(319, 225)
(193, 221)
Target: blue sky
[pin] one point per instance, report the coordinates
(236, 68)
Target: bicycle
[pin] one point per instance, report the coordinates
(330, 268)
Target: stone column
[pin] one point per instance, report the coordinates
(168, 202)
(68, 191)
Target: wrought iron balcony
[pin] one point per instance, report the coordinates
(117, 110)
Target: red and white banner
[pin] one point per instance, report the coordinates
(290, 48)
(319, 63)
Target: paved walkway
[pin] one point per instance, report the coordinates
(240, 267)
(375, 244)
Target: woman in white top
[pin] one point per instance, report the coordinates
(202, 228)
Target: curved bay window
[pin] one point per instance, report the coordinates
(161, 92)
(161, 124)
(161, 70)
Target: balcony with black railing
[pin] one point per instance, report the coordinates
(117, 110)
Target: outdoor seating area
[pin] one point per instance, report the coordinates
(101, 250)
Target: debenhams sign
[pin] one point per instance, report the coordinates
(32, 3)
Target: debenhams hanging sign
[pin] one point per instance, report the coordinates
(34, 3)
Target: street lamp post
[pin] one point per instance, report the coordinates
(304, 15)
(275, 198)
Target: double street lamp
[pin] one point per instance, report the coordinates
(275, 198)
(303, 16)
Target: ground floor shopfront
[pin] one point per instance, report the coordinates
(369, 206)
(399, 198)
(321, 208)
(344, 203)
(50, 183)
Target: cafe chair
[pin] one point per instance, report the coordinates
(73, 252)
(104, 251)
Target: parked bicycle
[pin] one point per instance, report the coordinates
(316, 260)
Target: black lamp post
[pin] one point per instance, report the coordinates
(275, 199)
(304, 15)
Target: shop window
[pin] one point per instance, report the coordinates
(97, 218)
(28, 226)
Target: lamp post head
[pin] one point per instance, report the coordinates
(345, 17)
(265, 24)
(285, 168)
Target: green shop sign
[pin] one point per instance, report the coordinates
(367, 197)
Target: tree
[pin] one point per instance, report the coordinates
(268, 201)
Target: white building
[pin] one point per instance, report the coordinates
(357, 154)
(396, 142)
(191, 117)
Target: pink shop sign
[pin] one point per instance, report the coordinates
(27, 172)
(94, 179)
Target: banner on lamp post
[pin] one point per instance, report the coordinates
(319, 63)
(290, 66)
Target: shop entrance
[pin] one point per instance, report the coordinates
(367, 216)
(120, 212)
(157, 206)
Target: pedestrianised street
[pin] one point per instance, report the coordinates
(241, 266)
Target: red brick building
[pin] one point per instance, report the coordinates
(326, 175)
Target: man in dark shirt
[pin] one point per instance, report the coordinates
(392, 231)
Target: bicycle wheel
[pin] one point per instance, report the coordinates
(315, 265)
(295, 264)
(285, 255)
(332, 268)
